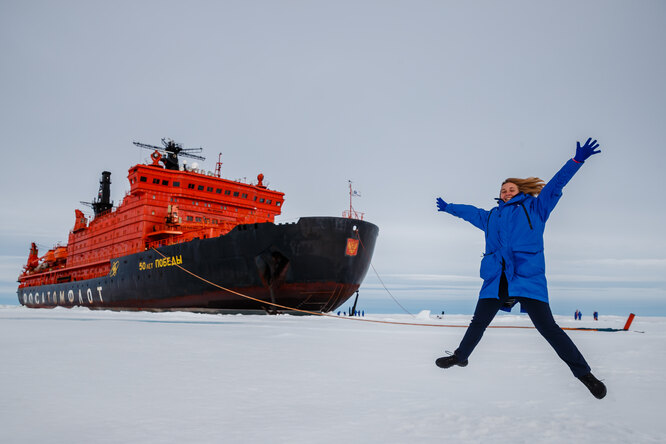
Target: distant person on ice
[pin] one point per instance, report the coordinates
(513, 265)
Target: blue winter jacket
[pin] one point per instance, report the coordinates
(514, 238)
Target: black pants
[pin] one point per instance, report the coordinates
(542, 318)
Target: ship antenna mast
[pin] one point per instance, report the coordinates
(352, 214)
(218, 166)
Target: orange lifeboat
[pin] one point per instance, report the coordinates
(49, 257)
(60, 253)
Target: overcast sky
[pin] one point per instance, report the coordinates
(409, 99)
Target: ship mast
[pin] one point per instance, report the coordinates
(171, 150)
(218, 166)
(352, 214)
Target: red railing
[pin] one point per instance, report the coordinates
(353, 214)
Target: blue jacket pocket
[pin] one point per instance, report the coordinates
(529, 263)
(490, 266)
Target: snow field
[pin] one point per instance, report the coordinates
(74, 375)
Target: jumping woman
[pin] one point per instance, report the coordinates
(513, 265)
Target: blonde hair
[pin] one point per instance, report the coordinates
(531, 185)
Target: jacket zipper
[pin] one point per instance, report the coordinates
(526, 214)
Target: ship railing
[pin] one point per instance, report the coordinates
(353, 214)
(191, 231)
(193, 226)
(163, 242)
(157, 228)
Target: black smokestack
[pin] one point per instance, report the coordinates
(103, 202)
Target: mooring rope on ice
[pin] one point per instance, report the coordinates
(375, 321)
(382, 282)
(387, 290)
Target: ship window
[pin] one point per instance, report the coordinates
(235, 193)
(218, 191)
(278, 203)
(255, 198)
(261, 200)
(215, 221)
(190, 218)
(165, 182)
(176, 184)
(227, 192)
(198, 219)
(244, 196)
(210, 189)
(268, 201)
(157, 181)
(200, 187)
(143, 178)
(190, 186)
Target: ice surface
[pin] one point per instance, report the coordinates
(74, 375)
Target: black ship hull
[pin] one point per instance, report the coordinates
(315, 264)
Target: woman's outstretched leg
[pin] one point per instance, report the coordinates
(485, 311)
(542, 318)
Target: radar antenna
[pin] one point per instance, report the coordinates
(171, 150)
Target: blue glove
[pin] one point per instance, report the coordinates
(441, 205)
(585, 151)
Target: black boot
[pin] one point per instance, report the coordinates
(596, 387)
(450, 361)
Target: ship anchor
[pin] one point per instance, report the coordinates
(272, 267)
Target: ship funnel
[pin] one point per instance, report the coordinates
(103, 202)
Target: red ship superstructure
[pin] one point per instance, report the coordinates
(166, 204)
